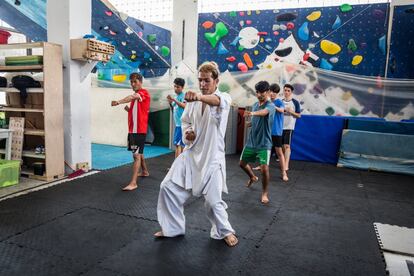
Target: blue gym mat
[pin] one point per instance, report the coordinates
(106, 156)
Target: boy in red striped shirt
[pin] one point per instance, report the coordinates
(138, 112)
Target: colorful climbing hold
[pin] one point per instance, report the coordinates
(112, 32)
(123, 43)
(119, 78)
(165, 51)
(231, 58)
(248, 22)
(240, 48)
(325, 64)
(286, 17)
(357, 60)
(276, 33)
(314, 16)
(224, 87)
(241, 13)
(269, 66)
(152, 38)
(140, 34)
(242, 67)
(345, 8)
(232, 14)
(306, 56)
(315, 34)
(275, 27)
(334, 59)
(262, 33)
(230, 67)
(133, 56)
(267, 46)
(108, 13)
(207, 24)
(283, 27)
(281, 40)
(248, 60)
(329, 47)
(352, 45)
(129, 31)
(222, 50)
(241, 23)
(255, 52)
(381, 44)
(303, 32)
(213, 38)
(249, 12)
(353, 111)
(290, 25)
(261, 40)
(337, 23)
(330, 111)
(106, 28)
(268, 39)
(257, 12)
(235, 41)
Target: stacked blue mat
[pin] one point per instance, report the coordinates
(378, 145)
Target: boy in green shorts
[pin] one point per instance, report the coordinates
(259, 141)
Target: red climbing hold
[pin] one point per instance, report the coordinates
(231, 59)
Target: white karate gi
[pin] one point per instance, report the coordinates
(200, 168)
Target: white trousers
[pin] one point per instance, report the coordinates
(170, 209)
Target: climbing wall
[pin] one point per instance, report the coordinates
(344, 38)
(401, 63)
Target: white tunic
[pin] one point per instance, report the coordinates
(194, 167)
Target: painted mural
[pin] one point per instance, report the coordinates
(344, 38)
(401, 62)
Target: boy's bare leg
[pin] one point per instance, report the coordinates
(286, 150)
(248, 170)
(282, 163)
(265, 183)
(144, 168)
(133, 183)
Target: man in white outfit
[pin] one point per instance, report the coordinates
(201, 168)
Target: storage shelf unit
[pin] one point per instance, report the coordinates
(49, 109)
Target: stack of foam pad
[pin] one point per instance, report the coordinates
(378, 145)
(24, 60)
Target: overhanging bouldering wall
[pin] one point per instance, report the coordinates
(345, 38)
(401, 61)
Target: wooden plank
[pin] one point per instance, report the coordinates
(17, 125)
(34, 132)
(16, 109)
(13, 46)
(14, 90)
(22, 68)
(28, 153)
(53, 105)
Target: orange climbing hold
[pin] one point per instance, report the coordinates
(248, 60)
(207, 24)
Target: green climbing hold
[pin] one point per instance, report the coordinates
(240, 48)
(165, 51)
(224, 87)
(152, 38)
(233, 14)
(330, 111)
(345, 8)
(214, 38)
(353, 111)
(352, 45)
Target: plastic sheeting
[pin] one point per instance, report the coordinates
(319, 92)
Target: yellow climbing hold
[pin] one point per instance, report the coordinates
(269, 66)
(261, 40)
(119, 78)
(249, 12)
(255, 52)
(357, 60)
(329, 47)
(347, 95)
(314, 16)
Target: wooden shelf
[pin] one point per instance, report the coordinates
(13, 46)
(23, 68)
(28, 153)
(34, 132)
(16, 109)
(14, 90)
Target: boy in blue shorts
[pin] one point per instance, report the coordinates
(177, 105)
(259, 141)
(277, 128)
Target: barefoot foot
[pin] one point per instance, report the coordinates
(159, 234)
(131, 186)
(231, 240)
(265, 198)
(251, 180)
(143, 174)
(285, 177)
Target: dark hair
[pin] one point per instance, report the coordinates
(179, 82)
(274, 87)
(262, 86)
(134, 76)
(289, 86)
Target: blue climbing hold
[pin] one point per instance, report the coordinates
(303, 32)
(325, 65)
(381, 44)
(222, 50)
(337, 23)
(235, 41)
